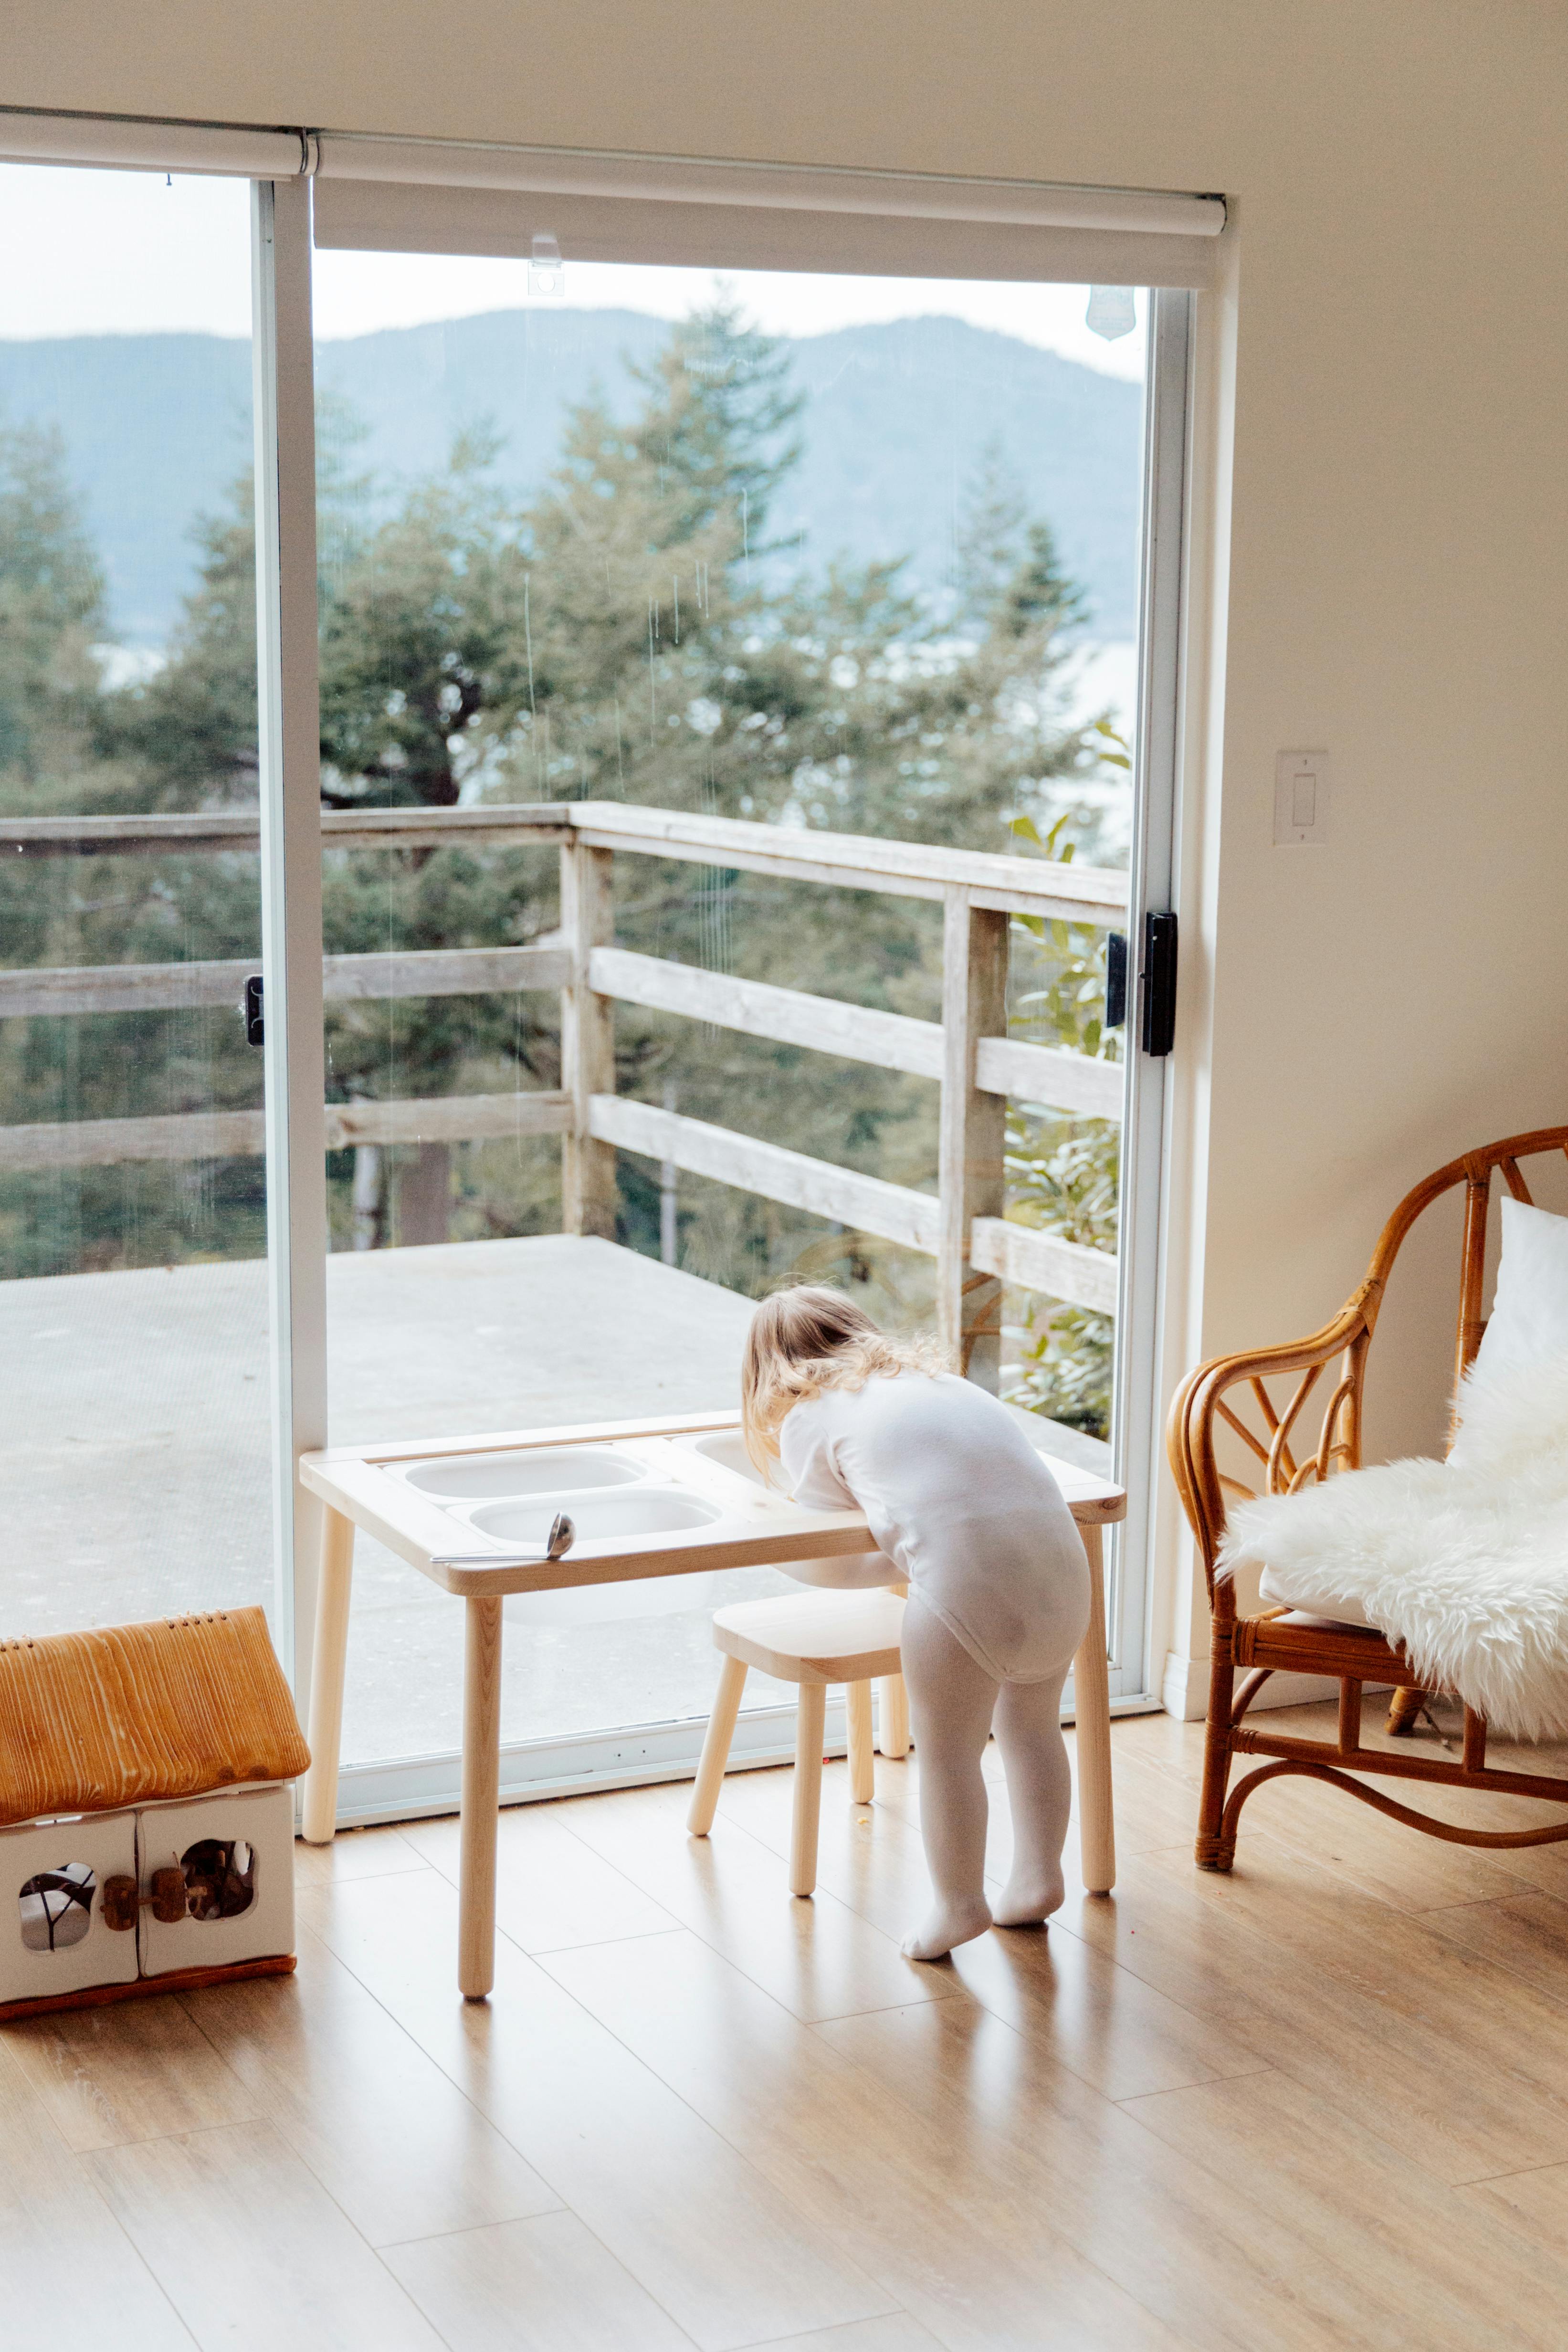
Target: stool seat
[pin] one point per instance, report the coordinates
(817, 1636)
(811, 1639)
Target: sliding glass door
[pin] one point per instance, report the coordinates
(815, 554)
(133, 1201)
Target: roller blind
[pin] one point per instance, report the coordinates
(114, 142)
(416, 195)
(406, 197)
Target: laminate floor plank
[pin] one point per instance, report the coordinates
(1110, 2027)
(1354, 1998)
(817, 1957)
(60, 2246)
(1104, 2023)
(958, 2241)
(1400, 1865)
(132, 2071)
(699, 2228)
(1532, 2206)
(1152, 1808)
(901, 1795)
(1385, 2007)
(382, 2127)
(1543, 1867)
(897, 2333)
(1421, 1989)
(1207, 2257)
(1318, 2104)
(552, 1889)
(540, 2285)
(355, 1854)
(1166, 1744)
(250, 2249)
(1434, 2271)
(1158, 1928)
(1529, 1937)
(1397, 1865)
(869, 1857)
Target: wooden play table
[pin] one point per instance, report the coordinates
(431, 1500)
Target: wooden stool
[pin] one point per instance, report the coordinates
(810, 1638)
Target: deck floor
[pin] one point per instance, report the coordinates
(1322, 2102)
(134, 1461)
(135, 1458)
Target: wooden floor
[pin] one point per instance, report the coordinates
(1323, 2102)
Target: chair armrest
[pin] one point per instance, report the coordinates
(1266, 1429)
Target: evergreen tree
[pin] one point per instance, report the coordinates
(188, 731)
(51, 616)
(631, 632)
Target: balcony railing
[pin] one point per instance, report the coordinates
(968, 1052)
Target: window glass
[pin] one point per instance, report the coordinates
(133, 1200)
(817, 552)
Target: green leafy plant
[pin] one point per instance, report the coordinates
(1063, 1172)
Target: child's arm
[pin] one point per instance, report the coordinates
(806, 1456)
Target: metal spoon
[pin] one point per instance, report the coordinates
(563, 1536)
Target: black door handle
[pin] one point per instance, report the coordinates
(1158, 984)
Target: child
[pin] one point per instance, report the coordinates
(974, 1523)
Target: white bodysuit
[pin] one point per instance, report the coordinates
(963, 1506)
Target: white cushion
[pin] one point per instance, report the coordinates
(1337, 1608)
(1530, 1312)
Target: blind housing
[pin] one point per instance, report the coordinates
(412, 195)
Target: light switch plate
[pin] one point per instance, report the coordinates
(1301, 795)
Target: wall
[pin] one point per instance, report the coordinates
(1386, 378)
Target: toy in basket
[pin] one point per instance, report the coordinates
(146, 1823)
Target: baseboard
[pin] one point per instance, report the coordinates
(1185, 1689)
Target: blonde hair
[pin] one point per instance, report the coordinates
(809, 1339)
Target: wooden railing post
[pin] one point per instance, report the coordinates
(973, 1133)
(588, 1197)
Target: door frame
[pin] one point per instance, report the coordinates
(1136, 1418)
(288, 747)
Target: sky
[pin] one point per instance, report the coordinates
(92, 253)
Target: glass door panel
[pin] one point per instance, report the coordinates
(820, 553)
(133, 1197)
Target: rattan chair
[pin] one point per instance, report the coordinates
(1287, 1641)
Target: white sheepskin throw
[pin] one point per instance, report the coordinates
(1463, 1562)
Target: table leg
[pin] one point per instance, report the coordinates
(1092, 1694)
(329, 1657)
(481, 1798)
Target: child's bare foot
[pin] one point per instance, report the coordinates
(1030, 1897)
(949, 1924)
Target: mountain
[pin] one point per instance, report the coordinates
(898, 417)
